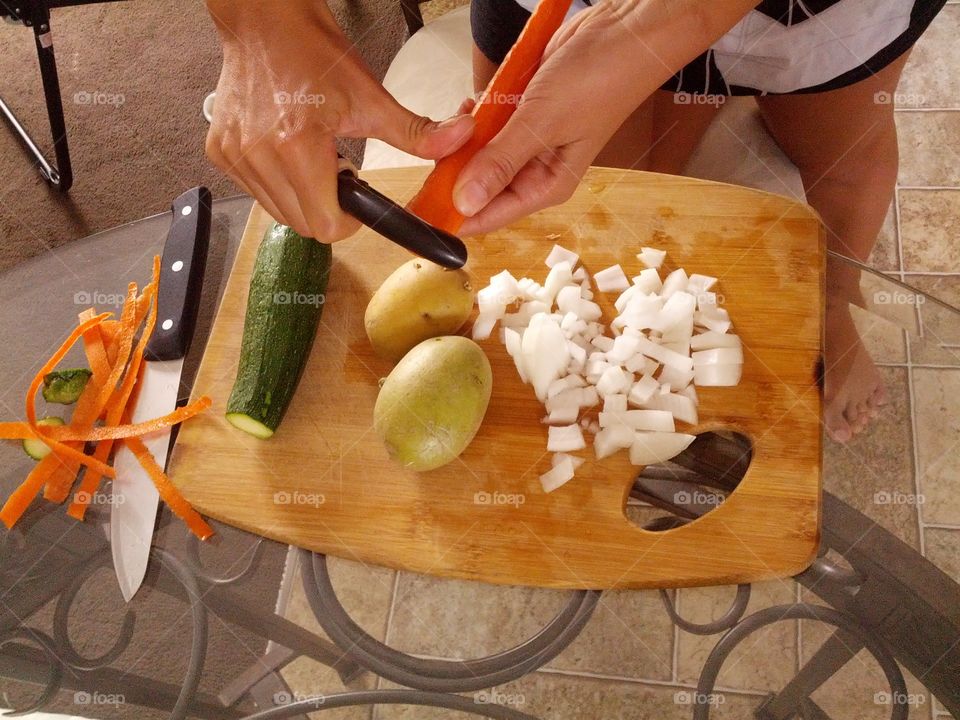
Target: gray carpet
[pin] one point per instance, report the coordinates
(131, 158)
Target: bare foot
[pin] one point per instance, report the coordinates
(853, 388)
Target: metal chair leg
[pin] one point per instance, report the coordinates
(59, 176)
(825, 663)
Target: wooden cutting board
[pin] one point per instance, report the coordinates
(324, 481)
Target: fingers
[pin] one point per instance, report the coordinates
(494, 167)
(315, 178)
(389, 121)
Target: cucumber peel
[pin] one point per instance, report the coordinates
(38, 449)
(244, 422)
(65, 386)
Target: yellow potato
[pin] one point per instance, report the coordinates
(432, 403)
(419, 300)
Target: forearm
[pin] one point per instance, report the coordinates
(648, 41)
(242, 18)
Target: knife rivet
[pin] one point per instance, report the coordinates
(187, 210)
(167, 324)
(177, 266)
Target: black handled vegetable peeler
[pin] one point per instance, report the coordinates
(383, 215)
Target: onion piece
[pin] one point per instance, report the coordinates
(666, 356)
(700, 283)
(565, 438)
(648, 281)
(681, 407)
(614, 380)
(642, 390)
(568, 299)
(615, 403)
(609, 440)
(560, 254)
(581, 274)
(544, 352)
(718, 375)
(711, 339)
(557, 458)
(676, 281)
(611, 279)
(649, 448)
(653, 420)
(560, 276)
(718, 356)
(716, 319)
(562, 416)
(557, 476)
(651, 257)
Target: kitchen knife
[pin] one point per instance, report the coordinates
(133, 513)
(383, 215)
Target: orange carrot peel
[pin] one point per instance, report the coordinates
(116, 365)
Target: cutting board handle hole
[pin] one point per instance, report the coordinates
(691, 485)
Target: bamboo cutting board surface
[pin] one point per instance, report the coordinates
(325, 482)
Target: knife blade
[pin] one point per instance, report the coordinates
(133, 512)
(394, 222)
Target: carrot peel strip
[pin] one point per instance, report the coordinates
(168, 492)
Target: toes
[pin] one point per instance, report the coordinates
(837, 427)
(879, 397)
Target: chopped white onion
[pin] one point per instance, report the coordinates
(611, 279)
(711, 339)
(566, 438)
(651, 257)
(649, 448)
(561, 254)
(558, 475)
(672, 333)
(609, 440)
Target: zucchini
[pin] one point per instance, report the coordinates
(287, 293)
(65, 386)
(38, 449)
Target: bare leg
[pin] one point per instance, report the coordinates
(845, 145)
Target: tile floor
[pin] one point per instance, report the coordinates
(630, 662)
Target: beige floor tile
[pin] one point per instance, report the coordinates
(929, 154)
(859, 689)
(629, 633)
(553, 696)
(886, 255)
(930, 78)
(929, 227)
(940, 344)
(874, 472)
(764, 661)
(365, 592)
(937, 395)
(460, 619)
(943, 550)
(884, 340)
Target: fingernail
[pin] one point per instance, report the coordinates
(470, 198)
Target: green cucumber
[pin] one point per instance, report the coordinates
(38, 449)
(287, 293)
(65, 386)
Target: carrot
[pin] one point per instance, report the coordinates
(118, 401)
(20, 499)
(168, 491)
(434, 201)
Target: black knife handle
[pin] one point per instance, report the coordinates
(181, 276)
(383, 215)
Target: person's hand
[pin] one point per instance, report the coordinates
(597, 69)
(291, 83)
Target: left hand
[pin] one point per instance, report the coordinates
(597, 70)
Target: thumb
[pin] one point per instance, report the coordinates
(494, 167)
(419, 135)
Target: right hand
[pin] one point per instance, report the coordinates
(291, 83)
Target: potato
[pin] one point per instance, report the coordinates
(432, 403)
(419, 300)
